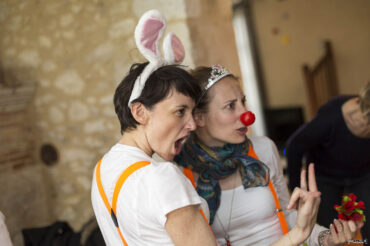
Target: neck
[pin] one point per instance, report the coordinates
(138, 139)
(231, 182)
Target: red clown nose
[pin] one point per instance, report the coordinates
(247, 118)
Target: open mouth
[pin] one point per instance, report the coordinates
(179, 143)
(242, 130)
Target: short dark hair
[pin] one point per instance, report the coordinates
(201, 74)
(157, 87)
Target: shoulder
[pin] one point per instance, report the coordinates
(118, 159)
(334, 103)
(161, 176)
(262, 144)
(165, 170)
(266, 151)
(167, 187)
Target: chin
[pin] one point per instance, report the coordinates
(238, 140)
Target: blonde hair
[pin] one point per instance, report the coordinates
(364, 100)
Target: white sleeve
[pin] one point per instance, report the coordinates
(4, 234)
(170, 190)
(270, 156)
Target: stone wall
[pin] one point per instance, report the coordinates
(212, 33)
(23, 187)
(76, 52)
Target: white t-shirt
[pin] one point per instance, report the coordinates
(145, 199)
(253, 217)
(4, 234)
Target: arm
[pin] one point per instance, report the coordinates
(307, 136)
(349, 228)
(283, 194)
(279, 183)
(308, 202)
(186, 226)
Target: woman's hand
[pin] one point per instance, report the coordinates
(308, 202)
(341, 231)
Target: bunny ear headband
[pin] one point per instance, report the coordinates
(148, 34)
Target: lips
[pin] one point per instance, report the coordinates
(242, 130)
(179, 143)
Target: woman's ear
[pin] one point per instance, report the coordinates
(199, 118)
(139, 112)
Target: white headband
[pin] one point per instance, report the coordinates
(148, 34)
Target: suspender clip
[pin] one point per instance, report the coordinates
(114, 218)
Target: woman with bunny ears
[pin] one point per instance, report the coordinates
(240, 177)
(136, 199)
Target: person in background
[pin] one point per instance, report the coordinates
(337, 140)
(238, 175)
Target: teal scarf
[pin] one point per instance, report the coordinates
(215, 163)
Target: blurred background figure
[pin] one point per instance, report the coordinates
(337, 140)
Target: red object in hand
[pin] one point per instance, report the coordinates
(350, 209)
(247, 118)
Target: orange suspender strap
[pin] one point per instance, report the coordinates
(279, 211)
(189, 174)
(121, 180)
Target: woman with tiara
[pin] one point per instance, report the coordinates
(239, 175)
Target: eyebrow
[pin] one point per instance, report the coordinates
(231, 101)
(182, 106)
(234, 100)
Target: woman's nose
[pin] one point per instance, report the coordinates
(191, 124)
(241, 109)
(247, 118)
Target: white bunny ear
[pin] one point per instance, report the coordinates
(173, 49)
(148, 34)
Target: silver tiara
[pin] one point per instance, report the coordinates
(217, 73)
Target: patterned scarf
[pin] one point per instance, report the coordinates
(215, 163)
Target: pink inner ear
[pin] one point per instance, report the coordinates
(178, 49)
(150, 34)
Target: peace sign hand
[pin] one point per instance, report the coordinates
(308, 202)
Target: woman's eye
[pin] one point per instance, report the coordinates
(180, 112)
(230, 106)
(243, 101)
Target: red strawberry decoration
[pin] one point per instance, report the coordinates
(350, 209)
(247, 118)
